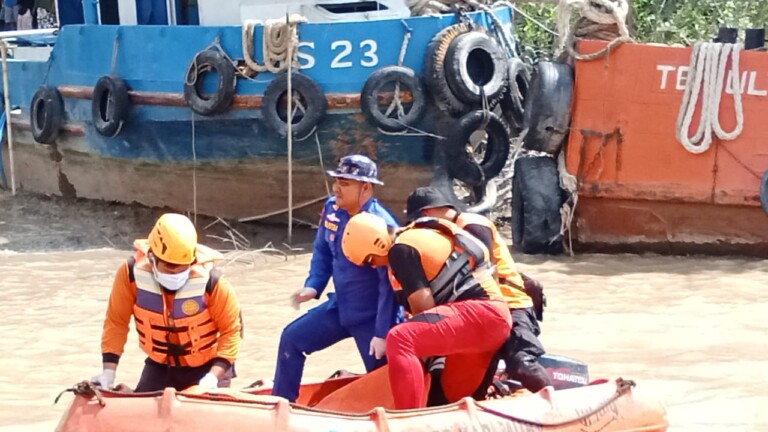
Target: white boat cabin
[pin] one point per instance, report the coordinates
(235, 12)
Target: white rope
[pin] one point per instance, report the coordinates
(570, 184)
(707, 70)
(194, 171)
(598, 11)
(430, 7)
(278, 36)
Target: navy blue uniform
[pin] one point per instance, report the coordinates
(362, 307)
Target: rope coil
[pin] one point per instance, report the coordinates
(707, 70)
(600, 19)
(277, 36)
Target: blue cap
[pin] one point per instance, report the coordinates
(357, 167)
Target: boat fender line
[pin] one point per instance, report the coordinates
(547, 112)
(536, 202)
(435, 70)
(475, 64)
(514, 97)
(462, 164)
(308, 98)
(488, 200)
(207, 61)
(84, 388)
(46, 114)
(764, 192)
(110, 105)
(622, 388)
(394, 118)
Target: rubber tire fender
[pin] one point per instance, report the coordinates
(204, 62)
(393, 74)
(315, 103)
(547, 113)
(435, 70)
(463, 64)
(110, 105)
(46, 114)
(764, 192)
(515, 96)
(461, 164)
(536, 202)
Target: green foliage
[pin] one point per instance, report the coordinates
(660, 21)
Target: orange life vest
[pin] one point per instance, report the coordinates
(510, 281)
(175, 328)
(467, 266)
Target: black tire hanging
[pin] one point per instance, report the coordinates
(764, 192)
(547, 113)
(206, 62)
(462, 164)
(46, 114)
(310, 95)
(110, 105)
(515, 96)
(409, 82)
(435, 70)
(536, 202)
(475, 64)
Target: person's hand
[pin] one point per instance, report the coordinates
(378, 347)
(302, 295)
(106, 379)
(209, 381)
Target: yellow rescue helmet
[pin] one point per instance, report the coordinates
(173, 239)
(366, 234)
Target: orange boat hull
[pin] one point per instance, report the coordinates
(639, 187)
(611, 406)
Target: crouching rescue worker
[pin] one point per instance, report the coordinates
(186, 314)
(458, 311)
(523, 295)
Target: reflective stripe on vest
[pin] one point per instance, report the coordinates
(466, 267)
(181, 333)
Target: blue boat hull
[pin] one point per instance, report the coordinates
(228, 164)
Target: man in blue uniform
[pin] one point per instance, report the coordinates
(363, 306)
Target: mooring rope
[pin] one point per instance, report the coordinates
(278, 36)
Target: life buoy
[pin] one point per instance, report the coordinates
(110, 104)
(547, 112)
(463, 164)
(515, 96)
(435, 71)
(306, 92)
(764, 192)
(475, 65)
(387, 79)
(203, 103)
(46, 114)
(536, 202)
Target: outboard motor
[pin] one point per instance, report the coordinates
(565, 372)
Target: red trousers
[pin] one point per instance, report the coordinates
(468, 333)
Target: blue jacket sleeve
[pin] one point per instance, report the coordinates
(321, 266)
(386, 312)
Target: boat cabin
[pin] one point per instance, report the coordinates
(235, 12)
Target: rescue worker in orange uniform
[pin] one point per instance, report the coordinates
(523, 348)
(445, 276)
(186, 313)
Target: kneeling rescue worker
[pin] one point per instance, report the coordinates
(186, 314)
(458, 311)
(524, 295)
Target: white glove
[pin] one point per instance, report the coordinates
(378, 347)
(106, 379)
(209, 381)
(302, 295)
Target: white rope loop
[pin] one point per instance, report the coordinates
(707, 76)
(277, 36)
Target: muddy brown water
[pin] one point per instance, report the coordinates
(690, 330)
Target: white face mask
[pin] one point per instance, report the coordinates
(170, 281)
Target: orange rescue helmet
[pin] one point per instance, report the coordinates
(366, 234)
(173, 239)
